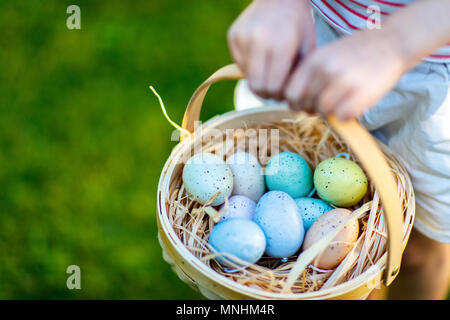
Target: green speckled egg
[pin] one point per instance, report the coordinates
(204, 175)
(340, 181)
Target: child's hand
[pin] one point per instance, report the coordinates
(266, 39)
(347, 76)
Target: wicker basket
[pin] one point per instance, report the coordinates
(391, 205)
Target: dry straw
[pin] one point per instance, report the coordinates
(312, 138)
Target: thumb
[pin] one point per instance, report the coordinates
(309, 38)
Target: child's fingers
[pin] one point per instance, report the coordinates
(300, 76)
(309, 39)
(290, 49)
(279, 67)
(237, 42)
(352, 106)
(333, 94)
(257, 66)
(236, 53)
(312, 91)
(297, 86)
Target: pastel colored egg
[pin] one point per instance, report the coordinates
(206, 174)
(340, 181)
(242, 238)
(340, 246)
(248, 175)
(278, 216)
(289, 172)
(239, 207)
(311, 209)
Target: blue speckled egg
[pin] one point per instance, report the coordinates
(248, 175)
(239, 207)
(289, 172)
(311, 209)
(242, 238)
(204, 175)
(340, 181)
(278, 216)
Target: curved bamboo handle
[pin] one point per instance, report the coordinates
(363, 145)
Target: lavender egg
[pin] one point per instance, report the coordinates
(242, 238)
(239, 207)
(278, 216)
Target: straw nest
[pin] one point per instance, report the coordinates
(312, 138)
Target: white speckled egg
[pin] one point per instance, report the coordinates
(239, 207)
(289, 172)
(311, 209)
(242, 238)
(341, 245)
(278, 216)
(204, 175)
(248, 175)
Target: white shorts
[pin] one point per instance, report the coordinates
(414, 121)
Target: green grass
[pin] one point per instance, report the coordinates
(83, 139)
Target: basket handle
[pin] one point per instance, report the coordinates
(363, 145)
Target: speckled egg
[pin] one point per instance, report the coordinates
(311, 209)
(289, 172)
(204, 175)
(248, 175)
(340, 181)
(341, 245)
(278, 216)
(242, 238)
(239, 207)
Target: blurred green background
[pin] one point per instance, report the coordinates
(83, 140)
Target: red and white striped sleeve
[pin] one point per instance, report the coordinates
(347, 16)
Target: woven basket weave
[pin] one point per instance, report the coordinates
(391, 221)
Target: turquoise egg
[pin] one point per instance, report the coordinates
(240, 237)
(340, 181)
(278, 216)
(289, 172)
(311, 209)
(206, 174)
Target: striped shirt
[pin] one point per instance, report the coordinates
(349, 15)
